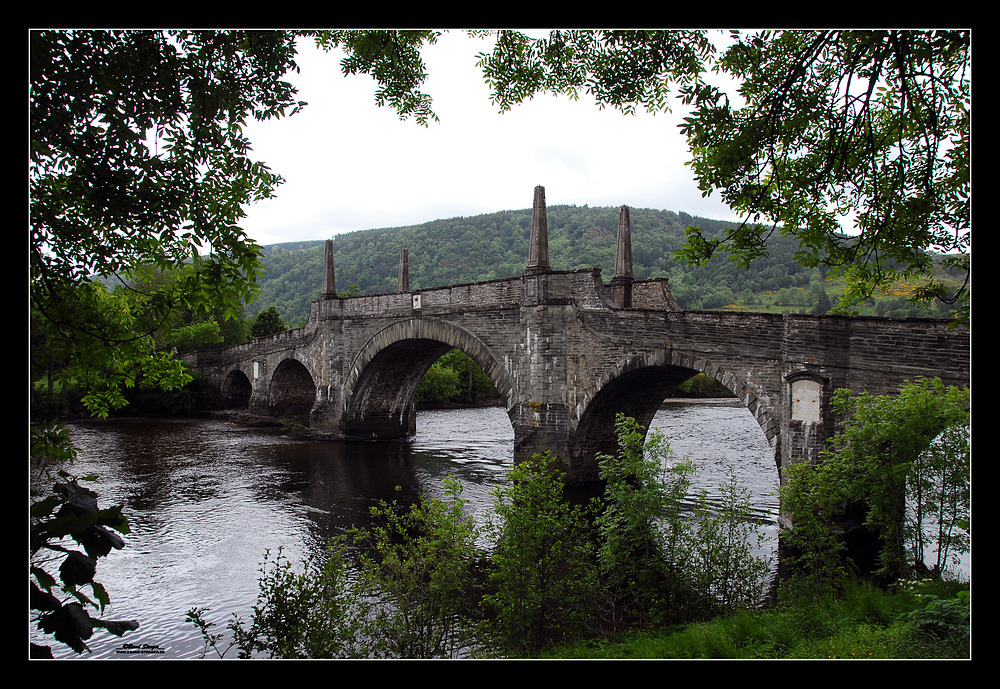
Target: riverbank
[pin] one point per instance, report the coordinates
(927, 620)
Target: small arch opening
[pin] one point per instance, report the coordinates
(293, 392)
(236, 391)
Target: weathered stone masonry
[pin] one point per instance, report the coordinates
(568, 352)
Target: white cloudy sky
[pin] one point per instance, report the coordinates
(350, 165)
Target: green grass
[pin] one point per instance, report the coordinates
(864, 623)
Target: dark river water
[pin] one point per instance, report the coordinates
(206, 498)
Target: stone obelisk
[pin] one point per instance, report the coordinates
(621, 283)
(403, 282)
(538, 247)
(329, 279)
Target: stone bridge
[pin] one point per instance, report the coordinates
(567, 352)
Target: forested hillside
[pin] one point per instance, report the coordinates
(495, 245)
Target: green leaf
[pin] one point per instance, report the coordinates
(45, 580)
(101, 594)
(44, 507)
(77, 569)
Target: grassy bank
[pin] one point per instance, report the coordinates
(922, 620)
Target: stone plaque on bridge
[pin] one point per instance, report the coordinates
(805, 400)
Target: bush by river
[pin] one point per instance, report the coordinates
(919, 620)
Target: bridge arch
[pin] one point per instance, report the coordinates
(383, 377)
(637, 388)
(236, 390)
(292, 391)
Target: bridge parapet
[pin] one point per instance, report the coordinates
(582, 287)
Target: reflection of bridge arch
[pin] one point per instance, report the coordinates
(292, 392)
(637, 388)
(236, 391)
(383, 377)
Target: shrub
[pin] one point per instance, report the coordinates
(729, 575)
(418, 571)
(305, 614)
(657, 564)
(938, 628)
(541, 567)
(404, 597)
(644, 542)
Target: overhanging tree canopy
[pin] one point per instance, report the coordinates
(138, 160)
(855, 142)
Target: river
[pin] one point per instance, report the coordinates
(206, 498)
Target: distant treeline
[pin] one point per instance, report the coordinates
(495, 245)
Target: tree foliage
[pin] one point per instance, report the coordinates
(645, 544)
(438, 386)
(68, 514)
(869, 124)
(397, 589)
(268, 322)
(854, 142)
(139, 161)
(730, 575)
(454, 379)
(658, 562)
(298, 614)
(881, 449)
(393, 59)
(623, 69)
(417, 572)
(119, 185)
(903, 459)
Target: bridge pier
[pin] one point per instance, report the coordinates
(324, 416)
(541, 427)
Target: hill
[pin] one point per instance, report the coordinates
(495, 245)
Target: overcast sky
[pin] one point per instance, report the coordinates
(350, 165)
